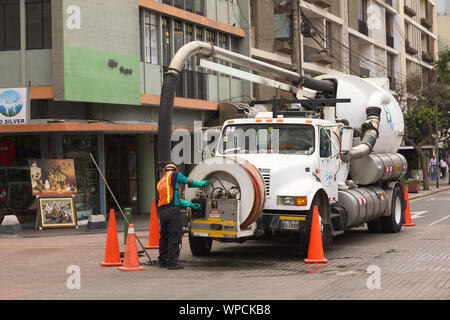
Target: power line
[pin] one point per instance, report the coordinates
(321, 33)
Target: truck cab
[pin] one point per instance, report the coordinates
(297, 157)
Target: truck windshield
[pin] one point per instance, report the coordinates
(268, 138)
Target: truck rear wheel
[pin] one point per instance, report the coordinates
(200, 246)
(393, 223)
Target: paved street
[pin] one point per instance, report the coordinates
(413, 264)
(431, 210)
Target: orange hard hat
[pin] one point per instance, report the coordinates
(172, 166)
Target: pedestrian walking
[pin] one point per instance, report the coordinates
(169, 202)
(443, 168)
(433, 167)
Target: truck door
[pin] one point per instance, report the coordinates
(329, 154)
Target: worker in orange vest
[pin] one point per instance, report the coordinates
(169, 202)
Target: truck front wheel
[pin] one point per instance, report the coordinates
(200, 246)
(393, 222)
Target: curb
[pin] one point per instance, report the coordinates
(429, 193)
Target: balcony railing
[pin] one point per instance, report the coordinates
(409, 11)
(321, 58)
(390, 41)
(427, 57)
(427, 23)
(363, 28)
(409, 49)
(321, 3)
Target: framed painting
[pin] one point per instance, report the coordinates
(53, 177)
(57, 212)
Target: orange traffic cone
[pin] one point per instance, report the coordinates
(131, 258)
(408, 222)
(112, 253)
(153, 234)
(315, 250)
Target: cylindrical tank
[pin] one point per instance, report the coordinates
(378, 167)
(359, 90)
(362, 204)
(228, 173)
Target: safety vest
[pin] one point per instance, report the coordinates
(166, 188)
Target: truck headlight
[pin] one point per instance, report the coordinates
(292, 201)
(288, 201)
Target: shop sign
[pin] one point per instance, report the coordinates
(14, 104)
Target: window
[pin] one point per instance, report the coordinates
(9, 25)
(178, 35)
(197, 6)
(211, 37)
(325, 143)
(235, 47)
(200, 7)
(190, 37)
(268, 138)
(179, 4)
(151, 38)
(199, 35)
(39, 24)
(189, 5)
(223, 41)
(235, 44)
(362, 12)
(167, 56)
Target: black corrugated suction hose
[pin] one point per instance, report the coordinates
(165, 118)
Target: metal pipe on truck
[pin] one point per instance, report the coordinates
(207, 50)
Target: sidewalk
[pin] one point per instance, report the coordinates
(443, 186)
(141, 223)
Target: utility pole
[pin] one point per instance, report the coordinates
(437, 128)
(296, 48)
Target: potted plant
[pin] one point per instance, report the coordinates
(413, 185)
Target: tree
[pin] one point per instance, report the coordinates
(419, 99)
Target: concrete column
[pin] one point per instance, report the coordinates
(145, 172)
(101, 164)
(23, 44)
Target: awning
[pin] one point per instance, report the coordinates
(79, 127)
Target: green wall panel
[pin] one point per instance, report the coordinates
(89, 78)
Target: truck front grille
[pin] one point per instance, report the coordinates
(266, 176)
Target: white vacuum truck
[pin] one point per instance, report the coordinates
(270, 171)
(336, 151)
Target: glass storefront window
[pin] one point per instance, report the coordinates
(15, 182)
(78, 147)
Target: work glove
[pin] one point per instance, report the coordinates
(196, 206)
(205, 183)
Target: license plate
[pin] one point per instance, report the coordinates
(214, 215)
(200, 234)
(289, 224)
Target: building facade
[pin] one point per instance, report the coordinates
(444, 25)
(366, 38)
(94, 71)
